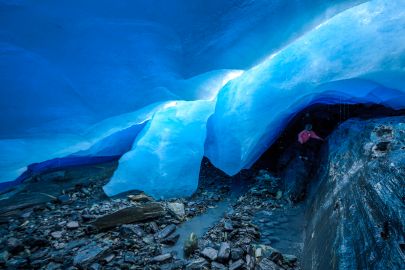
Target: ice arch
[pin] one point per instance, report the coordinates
(127, 92)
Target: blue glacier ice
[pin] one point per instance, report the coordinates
(161, 84)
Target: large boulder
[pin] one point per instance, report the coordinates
(356, 217)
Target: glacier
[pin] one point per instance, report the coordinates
(160, 85)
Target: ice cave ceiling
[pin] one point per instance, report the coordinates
(160, 84)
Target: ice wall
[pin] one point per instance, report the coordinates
(163, 83)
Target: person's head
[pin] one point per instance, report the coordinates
(308, 127)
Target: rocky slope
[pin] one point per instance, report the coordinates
(356, 219)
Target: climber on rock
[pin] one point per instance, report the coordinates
(307, 134)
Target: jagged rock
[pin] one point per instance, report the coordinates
(197, 264)
(165, 232)
(140, 198)
(210, 253)
(162, 258)
(72, 225)
(289, 259)
(57, 234)
(236, 265)
(224, 252)
(129, 215)
(218, 266)
(177, 209)
(171, 239)
(236, 253)
(267, 264)
(190, 245)
(131, 230)
(89, 253)
(358, 208)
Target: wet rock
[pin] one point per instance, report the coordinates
(289, 259)
(130, 215)
(190, 245)
(162, 258)
(210, 253)
(197, 264)
(236, 265)
(14, 245)
(57, 234)
(171, 239)
(224, 252)
(53, 266)
(177, 209)
(131, 230)
(89, 253)
(17, 263)
(63, 199)
(140, 198)
(130, 257)
(236, 253)
(72, 225)
(4, 256)
(218, 266)
(361, 190)
(267, 264)
(178, 264)
(165, 232)
(95, 266)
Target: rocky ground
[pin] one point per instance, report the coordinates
(82, 229)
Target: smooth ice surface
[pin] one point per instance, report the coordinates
(163, 83)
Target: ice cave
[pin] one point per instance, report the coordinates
(202, 134)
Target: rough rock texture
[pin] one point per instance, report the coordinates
(357, 217)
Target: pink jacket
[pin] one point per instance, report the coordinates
(305, 135)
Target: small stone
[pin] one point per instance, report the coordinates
(4, 257)
(130, 257)
(177, 209)
(53, 266)
(224, 252)
(236, 265)
(166, 231)
(258, 252)
(95, 266)
(63, 199)
(57, 234)
(72, 225)
(162, 258)
(89, 253)
(131, 230)
(279, 194)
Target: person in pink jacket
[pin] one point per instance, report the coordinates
(307, 134)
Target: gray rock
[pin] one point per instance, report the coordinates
(131, 230)
(236, 253)
(218, 266)
(197, 264)
(72, 225)
(236, 265)
(228, 227)
(210, 253)
(171, 239)
(177, 209)
(89, 253)
(57, 234)
(224, 252)
(162, 258)
(267, 264)
(165, 232)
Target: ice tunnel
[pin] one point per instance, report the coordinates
(158, 85)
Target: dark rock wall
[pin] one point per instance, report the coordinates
(356, 216)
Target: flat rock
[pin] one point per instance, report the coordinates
(236, 265)
(177, 209)
(197, 264)
(267, 264)
(162, 258)
(72, 225)
(130, 214)
(165, 232)
(89, 253)
(224, 252)
(210, 253)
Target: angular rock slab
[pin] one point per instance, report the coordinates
(131, 214)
